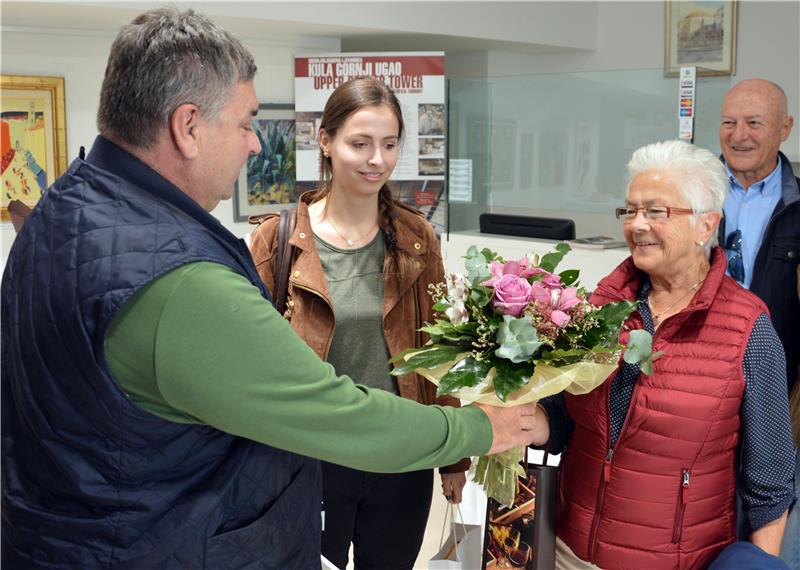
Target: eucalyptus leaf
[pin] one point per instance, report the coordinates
(474, 258)
(640, 350)
(517, 339)
(477, 266)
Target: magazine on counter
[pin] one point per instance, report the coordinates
(598, 242)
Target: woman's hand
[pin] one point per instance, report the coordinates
(452, 485)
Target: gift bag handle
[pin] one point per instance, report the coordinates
(544, 459)
(451, 511)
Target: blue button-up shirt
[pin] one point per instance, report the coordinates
(750, 210)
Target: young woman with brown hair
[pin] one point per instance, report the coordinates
(357, 294)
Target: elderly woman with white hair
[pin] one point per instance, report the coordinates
(651, 463)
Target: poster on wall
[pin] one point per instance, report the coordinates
(417, 78)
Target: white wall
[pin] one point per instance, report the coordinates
(80, 57)
(630, 35)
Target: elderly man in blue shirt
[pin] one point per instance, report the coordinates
(761, 228)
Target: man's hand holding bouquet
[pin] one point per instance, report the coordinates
(513, 332)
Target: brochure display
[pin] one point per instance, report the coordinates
(418, 81)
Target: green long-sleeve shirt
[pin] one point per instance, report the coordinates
(200, 345)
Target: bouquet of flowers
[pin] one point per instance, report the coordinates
(513, 332)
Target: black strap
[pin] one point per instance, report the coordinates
(283, 257)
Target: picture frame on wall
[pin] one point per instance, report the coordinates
(700, 34)
(268, 181)
(33, 137)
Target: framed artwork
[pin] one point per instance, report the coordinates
(526, 160)
(700, 34)
(587, 147)
(553, 158)
(33, 137)
(503, 153)
(267, 182)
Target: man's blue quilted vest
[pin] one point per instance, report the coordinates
(90, 480)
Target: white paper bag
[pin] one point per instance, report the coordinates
(462, 549)
(327, 564)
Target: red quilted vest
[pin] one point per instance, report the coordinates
(664, 496)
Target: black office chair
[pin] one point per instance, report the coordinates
(527, 226)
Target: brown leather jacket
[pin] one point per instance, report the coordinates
(406, 304)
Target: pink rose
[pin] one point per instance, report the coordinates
(511, 294)
(560, 300)
(540, 293)
(520, 268)
(550, 280)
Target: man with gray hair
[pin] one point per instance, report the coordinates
(156, 411)
(761, 227)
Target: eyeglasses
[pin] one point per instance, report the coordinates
(733, 247)
(651, 213)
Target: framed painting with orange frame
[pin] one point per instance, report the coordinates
(33, 137)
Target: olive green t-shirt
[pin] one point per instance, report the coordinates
(201, 345)
(355, 281)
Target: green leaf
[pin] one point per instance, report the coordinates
(614, 314)
(640, 350)
(510, 377)
(477, 266)
(480, 294)
(569, 276)
(441, 306)
(450, 333)
(490, 255)
(551, 260)
(425, 358)
(517, 339)
(437, 329)
(562, 356)
(442, 327)
(465, 373)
